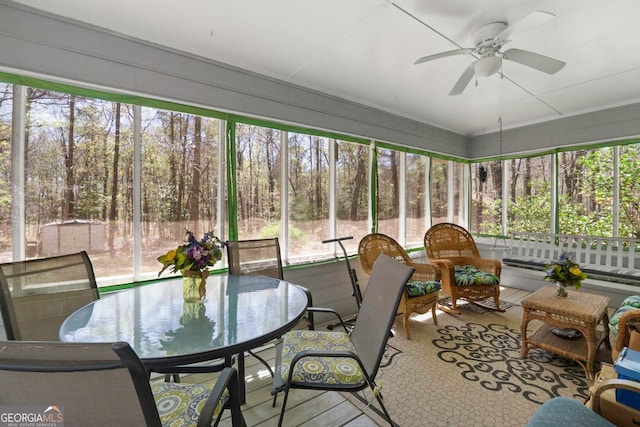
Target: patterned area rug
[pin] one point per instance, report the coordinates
(467, 370)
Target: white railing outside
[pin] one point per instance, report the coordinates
(601, 253)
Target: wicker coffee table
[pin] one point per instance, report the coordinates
(580, 311)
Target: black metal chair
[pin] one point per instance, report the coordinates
(39, 294)
(106, 384)
(361, 351)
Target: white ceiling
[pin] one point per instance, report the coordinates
(364, 50)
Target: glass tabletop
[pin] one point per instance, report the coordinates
(237, 314)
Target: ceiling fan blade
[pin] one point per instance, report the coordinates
(463, 51)
(534, 60)
(464, 80)
(527, 23)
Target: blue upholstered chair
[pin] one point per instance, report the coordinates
(563, 411)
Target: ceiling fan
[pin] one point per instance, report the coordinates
(488, 41)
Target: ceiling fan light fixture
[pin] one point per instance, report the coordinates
(487, 66)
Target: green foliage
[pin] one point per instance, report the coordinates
(272, 230)
(195, 255)
(530, 214)
(565, 271)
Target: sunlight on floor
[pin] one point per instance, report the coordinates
(258, 376)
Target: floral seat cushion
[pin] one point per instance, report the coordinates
(320, 370)
(417, 288)
(179, 405)
(469, 275)
(630, 303)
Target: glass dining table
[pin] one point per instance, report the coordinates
(238, 313)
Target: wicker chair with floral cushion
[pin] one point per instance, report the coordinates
(624, 325)
(464, 274)
(421, 291)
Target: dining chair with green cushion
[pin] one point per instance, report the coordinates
(343, 361)
(106, 384)
(421, 292)
(38, 294)
(463, 272)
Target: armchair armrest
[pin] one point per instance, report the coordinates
(228, 379)
(489, 265)
(622, 339)
(609, 384)
(331, 311)
(425, 271)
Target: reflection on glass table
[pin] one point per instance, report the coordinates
(239, 313)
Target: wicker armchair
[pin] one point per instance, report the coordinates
(620, 324)
(420, 293)
(464, 273)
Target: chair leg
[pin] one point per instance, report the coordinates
(284, 404)
(405, 323)
(167, 378)
(433, 313)
(378, 396)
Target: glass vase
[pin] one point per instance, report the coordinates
(194, 285)
(561, 290)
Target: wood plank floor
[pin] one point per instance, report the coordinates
(307, 408)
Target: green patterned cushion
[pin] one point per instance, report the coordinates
(632, 301)
(320, 370)
(613, 322)
(416, 288)
(469, 275)
(179, 404)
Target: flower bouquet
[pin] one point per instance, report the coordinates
(564, 272)
(193, 260)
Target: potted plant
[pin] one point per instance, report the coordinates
(564, 272)
(193, 260)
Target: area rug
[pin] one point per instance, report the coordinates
(467, 370)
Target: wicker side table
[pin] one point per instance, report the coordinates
(580, 310)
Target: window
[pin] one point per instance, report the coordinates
(585, 182)
(352, 192)
(529, 194)
(439, 191)
(81, 186)
(486, 198)
(258, 181)
(179, 181)
(6, 107)
(416, 216)
(308, 195)
(76, 160)
(629, 201)
(388, 192)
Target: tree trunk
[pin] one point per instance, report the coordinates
(70, 197)
(395, 197)
(527, 178)
(317, 181)
(113, 215)
(196, 174)
(359, 183)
